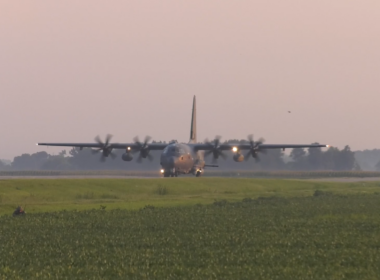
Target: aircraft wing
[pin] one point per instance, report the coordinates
(281, 146)
(132, 146)
(225, 147)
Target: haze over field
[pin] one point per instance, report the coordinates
(71, 70)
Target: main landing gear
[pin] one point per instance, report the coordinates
(170, 173)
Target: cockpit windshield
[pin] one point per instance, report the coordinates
(172, 150)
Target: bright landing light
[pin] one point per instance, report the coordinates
(162, 171)
(234, 149)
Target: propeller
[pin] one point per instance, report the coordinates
(254, 149)
(105, 148)
(214, 149)
(143, 149)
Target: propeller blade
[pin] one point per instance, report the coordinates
(103, 158)
(113, 155)
(223, 155)
(248, 155)
(207, 153)
(139, 159)
(150, 157)
(257, 158)
(108, 138)
(146, 140)
(93, 151)
(98, 140)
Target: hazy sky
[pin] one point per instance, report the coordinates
(70, 70)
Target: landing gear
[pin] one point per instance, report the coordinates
(198, 174)
(170, 173)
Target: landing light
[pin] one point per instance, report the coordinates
(162, 171)
(234, 149)
(129, 148)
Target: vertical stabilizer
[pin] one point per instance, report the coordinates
(193, 130)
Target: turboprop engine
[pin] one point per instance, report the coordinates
(127, 156)
(238, 157)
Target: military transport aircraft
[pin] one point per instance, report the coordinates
(180, 158)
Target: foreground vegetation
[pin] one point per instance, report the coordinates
(323, 236)
(41, 195)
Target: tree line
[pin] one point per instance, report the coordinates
(299, 159)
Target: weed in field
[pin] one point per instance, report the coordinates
(321, 193)
(87, 195)
(247, 200)
(108, 196)
(221, 202)
(161, 190)
(148, 207)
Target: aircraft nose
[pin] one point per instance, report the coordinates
(171, 162)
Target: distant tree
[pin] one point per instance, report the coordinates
(345, 159)
(357, 166)
(30, 162)
(315, 158)
(297, 154)
(377, 166)
(2, 165)
(330, 158)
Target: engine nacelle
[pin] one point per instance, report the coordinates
(238, 157)
(127, 157)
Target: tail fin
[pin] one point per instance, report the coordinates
(193, 129)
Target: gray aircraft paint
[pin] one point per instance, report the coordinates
(179, 158)
(193, 129)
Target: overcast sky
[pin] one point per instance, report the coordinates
(71, 70)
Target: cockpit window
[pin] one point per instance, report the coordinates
(171, 150)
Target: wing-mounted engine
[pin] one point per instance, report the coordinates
(142, 149)
(255, 148)
(105, 148)
(127, 156)
(238, 157)
(214, 149)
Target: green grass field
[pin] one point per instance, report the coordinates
(41, 195)
(324, 236)
(187, 228)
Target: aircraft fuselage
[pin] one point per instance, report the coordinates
(179, 158)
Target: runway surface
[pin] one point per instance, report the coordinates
(76, 177)
(347, 179)
(342, 179)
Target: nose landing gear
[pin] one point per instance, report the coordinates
(198, 173)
